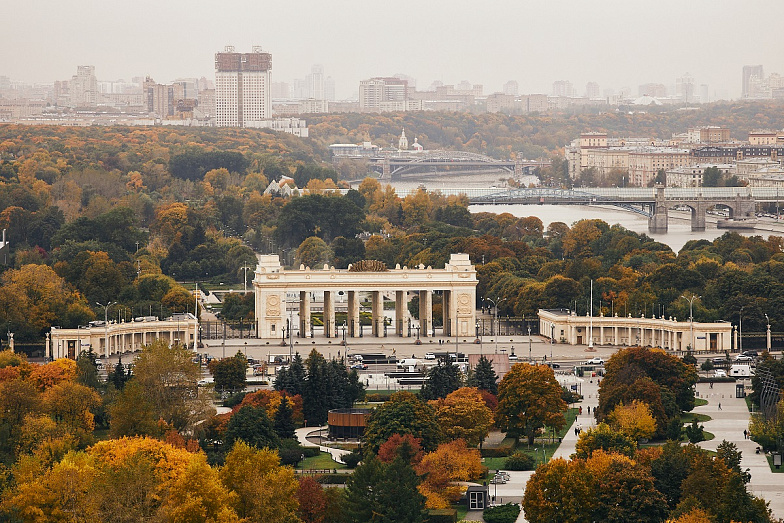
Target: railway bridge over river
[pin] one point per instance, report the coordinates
(739, 202)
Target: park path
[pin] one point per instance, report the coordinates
(728, 424)
(309, 437)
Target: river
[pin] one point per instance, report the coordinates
(679, 228)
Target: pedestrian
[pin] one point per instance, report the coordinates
(575, 431)
(745, 434)
(581, 411)
(589, 409)
(711, 384)
(719, 406)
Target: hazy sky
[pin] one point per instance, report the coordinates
(614, 43)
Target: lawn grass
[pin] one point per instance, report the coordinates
(773, 469)
(688, 417)
(321, 462)
(699, 402)
(462, 510)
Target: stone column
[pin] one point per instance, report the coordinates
(615, 335)
(425, 313)
(446, 313)
(401, 310)
(329, 314)
(48, 349)
(629, 338)
(304, 313)
(601, 334)
(353, 313)
(377, 308)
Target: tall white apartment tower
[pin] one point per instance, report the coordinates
(242, 88)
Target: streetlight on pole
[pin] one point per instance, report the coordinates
(691, 314)
(106, 326)
(740, 324)
(767, 321)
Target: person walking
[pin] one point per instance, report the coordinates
(719, 406)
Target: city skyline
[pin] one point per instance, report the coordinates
(614, 46)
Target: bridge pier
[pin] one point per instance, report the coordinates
(658, 221)
(698, 214)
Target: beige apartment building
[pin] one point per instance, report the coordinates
(644, 164)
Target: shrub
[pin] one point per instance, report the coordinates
(332, 479)
(694, 432)
(441, 515)
(502, 514)
(519, 461)
(352, 459)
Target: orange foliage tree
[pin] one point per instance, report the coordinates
(449, 463)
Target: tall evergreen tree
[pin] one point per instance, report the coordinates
(318, 392)
(283, 422)
(441, 380)
(119, 377)
(484, 376)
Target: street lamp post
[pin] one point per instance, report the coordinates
(691, 314)
(106, 326)
(767, 321)
(530, 360)
(740, 324)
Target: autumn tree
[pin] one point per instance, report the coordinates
(635, 420)
(264, 491)
(443, 468)
(603, 437)
(169, 377)
(314, 252)
(463, 414)
(403, 414)
(529, 398)
(132, 413)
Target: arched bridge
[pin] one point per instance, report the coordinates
(650, 202)
(438, 161)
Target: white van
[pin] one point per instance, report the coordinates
(718, 373)
(408, 363)
(741, 371)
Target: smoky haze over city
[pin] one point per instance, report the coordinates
(614, 44)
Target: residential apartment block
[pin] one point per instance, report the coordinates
(242, 88)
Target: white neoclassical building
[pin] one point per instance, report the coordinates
(564, 326)
(125, 336)
(456, 281)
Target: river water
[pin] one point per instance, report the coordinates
(679, 228)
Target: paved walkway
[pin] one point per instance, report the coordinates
(306, 435)
(728, 424)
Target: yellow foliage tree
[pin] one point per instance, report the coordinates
(696, 515)
(635, 420)
(265, 491)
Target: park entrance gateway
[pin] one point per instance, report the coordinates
(365, 281)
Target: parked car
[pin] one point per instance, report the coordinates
(553, 365)
(498, 480)
(430, 356)
(743, 357)
(720, 361)
(752, 353)
(718, 373)
(595, 361)
(360, 366)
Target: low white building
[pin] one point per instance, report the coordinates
(565, 326)
(106, 339)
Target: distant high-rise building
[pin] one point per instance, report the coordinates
(375, 91)
(704, 94)
(315, 81)
(280, 90)
(592, 90)
(684, 88)
(562, 88)
(748, 72)
(654, 90)
(242, 87)
(329, 89)
(83, 88)
(511, 88)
